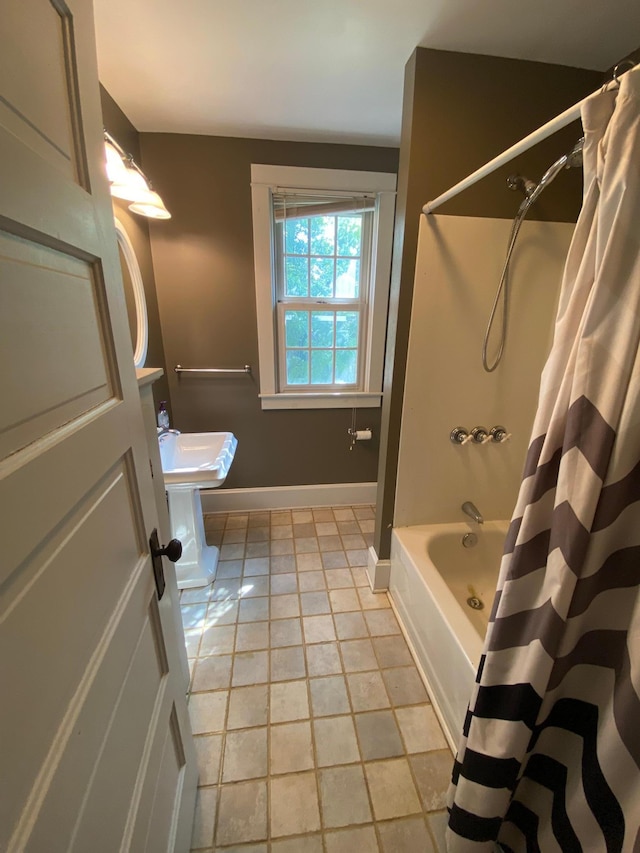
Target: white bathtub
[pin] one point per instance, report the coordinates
(432, 576)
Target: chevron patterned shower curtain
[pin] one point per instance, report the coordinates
(550, 755)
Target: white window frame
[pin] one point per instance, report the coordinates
(266, 180)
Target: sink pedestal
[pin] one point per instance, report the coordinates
(197, 566)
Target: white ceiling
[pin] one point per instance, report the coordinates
(327, 70)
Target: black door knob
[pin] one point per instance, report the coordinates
(173, 551)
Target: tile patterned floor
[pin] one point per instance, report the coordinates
(313, 730)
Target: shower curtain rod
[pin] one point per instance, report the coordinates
(538, 135)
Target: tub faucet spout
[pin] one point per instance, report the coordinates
(472, 511)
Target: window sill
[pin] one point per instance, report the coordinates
(337, 400)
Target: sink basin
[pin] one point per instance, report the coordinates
(200, 459)
(190, 462)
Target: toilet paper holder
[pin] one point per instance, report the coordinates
(357, 434)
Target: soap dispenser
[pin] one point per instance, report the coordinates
(163, 416)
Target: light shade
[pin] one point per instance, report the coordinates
(116, 169)
(133, 187)
(150, 204)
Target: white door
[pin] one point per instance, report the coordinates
(96, 754)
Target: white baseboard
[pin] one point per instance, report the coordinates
(288, 497)
(379, 571)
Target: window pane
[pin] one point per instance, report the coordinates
(297, 270)
(346, 366)
(347, 323)
(322, 367)
(296, 325)
(322, 278)
(349, 235)
(296, 241)
(347, 278)
(298, 367)
(323, 235)
(322, 328)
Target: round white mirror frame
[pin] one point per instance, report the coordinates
(142, 325)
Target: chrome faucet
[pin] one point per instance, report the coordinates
(472, 511)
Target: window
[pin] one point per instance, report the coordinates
(322, 251)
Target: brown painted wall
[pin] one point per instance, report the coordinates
(119, 126)
(459, 111)
(203, 260)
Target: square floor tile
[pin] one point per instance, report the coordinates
(438, 822)
(222, 613)
(245, 755)
(204, 818)
(304, 529)
(283, 564)
(212, 673)
(250, 668)
(392, 651)
(344, 796)
(335, 740)
(393, 793)
(229, 569)
(354, 542)
(298, 788)
(282, 531)
(286, 632)
(258, 534)
(433, 775)
(344, 600)
(338, 578)
(404, 685)
(225, 588)
(254, 610)
(326, 528)
(252, 636)
(420, 728)
(291, 749)
(284, 583)
(350, 626)
(405, 835)
(357, 557)
(378, 735)
(231, 537)
(314, 603)
(218, 640)
(248, 706)
(332, 560)
(197, 595)
(257, 549)
(284, 606)
(318, 629)
(381, 623)
(287, 664)
(192, 637)
(360, 839)
(302, 516)
(323, 515)
(306, 545)
(360, 576)
(357, 655)
(311, 581)
(367, 691)
(254, 587)
(329, 543)
(234, 551)
(259, 518)
(208, 752)
(323, 659)
(346, 528)
(280, 547)
(214, 520)
(343, 514)
(372, 600)
(207, 711)
(310, 844)
(242, 815)
(328, 696)
(256, 566)
(289, 701)
(280, 516)
(237, 520)
(362, 512)
(308, 562)
(194, 615)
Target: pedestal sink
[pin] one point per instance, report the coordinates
(190, 462)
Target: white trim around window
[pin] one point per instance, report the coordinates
(266, 180)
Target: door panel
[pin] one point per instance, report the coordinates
(93, 722)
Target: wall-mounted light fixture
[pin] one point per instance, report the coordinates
(129, 182)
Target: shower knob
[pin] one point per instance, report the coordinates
(479, 434)
(459, 435)
(499, 434)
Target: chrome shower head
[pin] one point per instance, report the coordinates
(574, 157)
